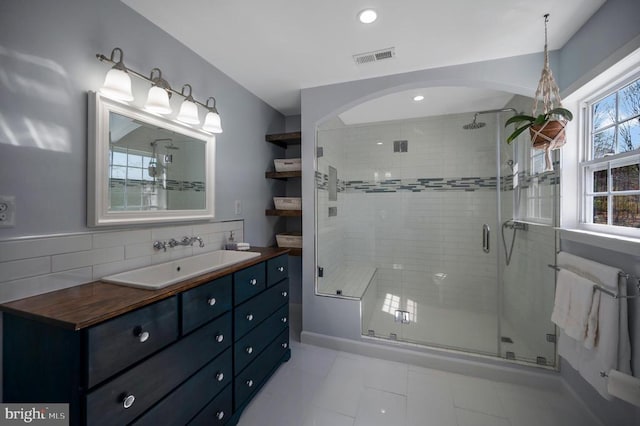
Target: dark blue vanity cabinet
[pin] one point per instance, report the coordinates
(194, 353)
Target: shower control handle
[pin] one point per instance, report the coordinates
(486, 234)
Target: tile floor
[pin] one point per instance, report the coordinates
(323, 387)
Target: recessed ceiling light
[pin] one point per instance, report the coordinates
(367, 16)
(379, 143)
(418, 98)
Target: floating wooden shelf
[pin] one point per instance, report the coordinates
(285, 139)
(283, 175)
(277, 212)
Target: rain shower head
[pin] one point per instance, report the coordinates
(171, 146)
(474, 124)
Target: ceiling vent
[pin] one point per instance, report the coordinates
(378, 55)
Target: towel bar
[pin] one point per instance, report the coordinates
(609, 292)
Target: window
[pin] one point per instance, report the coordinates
(131, 184)
(610, 172)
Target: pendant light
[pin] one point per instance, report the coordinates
(117, 83)
(212, 119)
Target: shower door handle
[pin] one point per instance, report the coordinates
(486, 234)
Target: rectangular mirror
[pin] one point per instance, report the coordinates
(146, 169)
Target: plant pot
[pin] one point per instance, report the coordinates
(549, 135)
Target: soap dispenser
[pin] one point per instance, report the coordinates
(231, 243)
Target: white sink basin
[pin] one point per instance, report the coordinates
(164, 274)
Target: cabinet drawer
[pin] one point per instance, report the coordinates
(127, 396)
(277, 269)
(249, 380)
(183, 404)
(250, 346)
(253, 312)
(118, 343)
(248, 282)
(204, 303)
(217, 412)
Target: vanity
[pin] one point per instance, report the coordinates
(194, 352)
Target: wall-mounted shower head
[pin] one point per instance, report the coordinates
(474, 124)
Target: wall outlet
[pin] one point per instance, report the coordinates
(7, 211)
(238, 207)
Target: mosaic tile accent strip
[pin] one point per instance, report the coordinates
(172, 185)
(438, 184)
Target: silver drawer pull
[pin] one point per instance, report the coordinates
(128, 401)
(211, 301)
(280, 268)
(250, 383)
(253, 281)
(219, 338)
(220, 415)
(284, 294)
(249, 350)
(143, 336)
(283, 319)
(250, 317)
(220, 377)
(285, 345)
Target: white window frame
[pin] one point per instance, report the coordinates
(587, 165)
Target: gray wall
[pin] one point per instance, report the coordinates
(47, 65)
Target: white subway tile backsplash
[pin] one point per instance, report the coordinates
(114, 239)
(38, 265)
(63, 262)
(37, 247)
(16, 269)
(13, 290)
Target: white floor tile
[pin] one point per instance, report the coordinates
(476, 394)
(320, 387)
(474, 418)
(321, 417)
(379, 408)
(429, 399)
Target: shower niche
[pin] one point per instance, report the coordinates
(421, 234)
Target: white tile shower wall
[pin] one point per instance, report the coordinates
(410, 236)
(39, 265)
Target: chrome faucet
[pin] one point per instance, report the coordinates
(160, 245)
(186, 241)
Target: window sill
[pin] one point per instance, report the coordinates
(626, 245)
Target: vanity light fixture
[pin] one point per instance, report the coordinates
(117, 85)
(212, 119)
(159, 94)
(418, 98)
(188, 110)
(367, 16)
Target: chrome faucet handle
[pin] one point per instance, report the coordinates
(187, 241)
(173, 242)
(160, 245)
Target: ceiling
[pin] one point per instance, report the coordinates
(275, 48)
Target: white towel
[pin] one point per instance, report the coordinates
(573, 305)
(612, 348)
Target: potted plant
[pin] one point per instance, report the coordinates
(545, 129)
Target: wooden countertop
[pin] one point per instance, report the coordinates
(89, 304)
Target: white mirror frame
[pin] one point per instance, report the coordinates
(97, 177)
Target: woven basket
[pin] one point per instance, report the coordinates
(550, 135)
